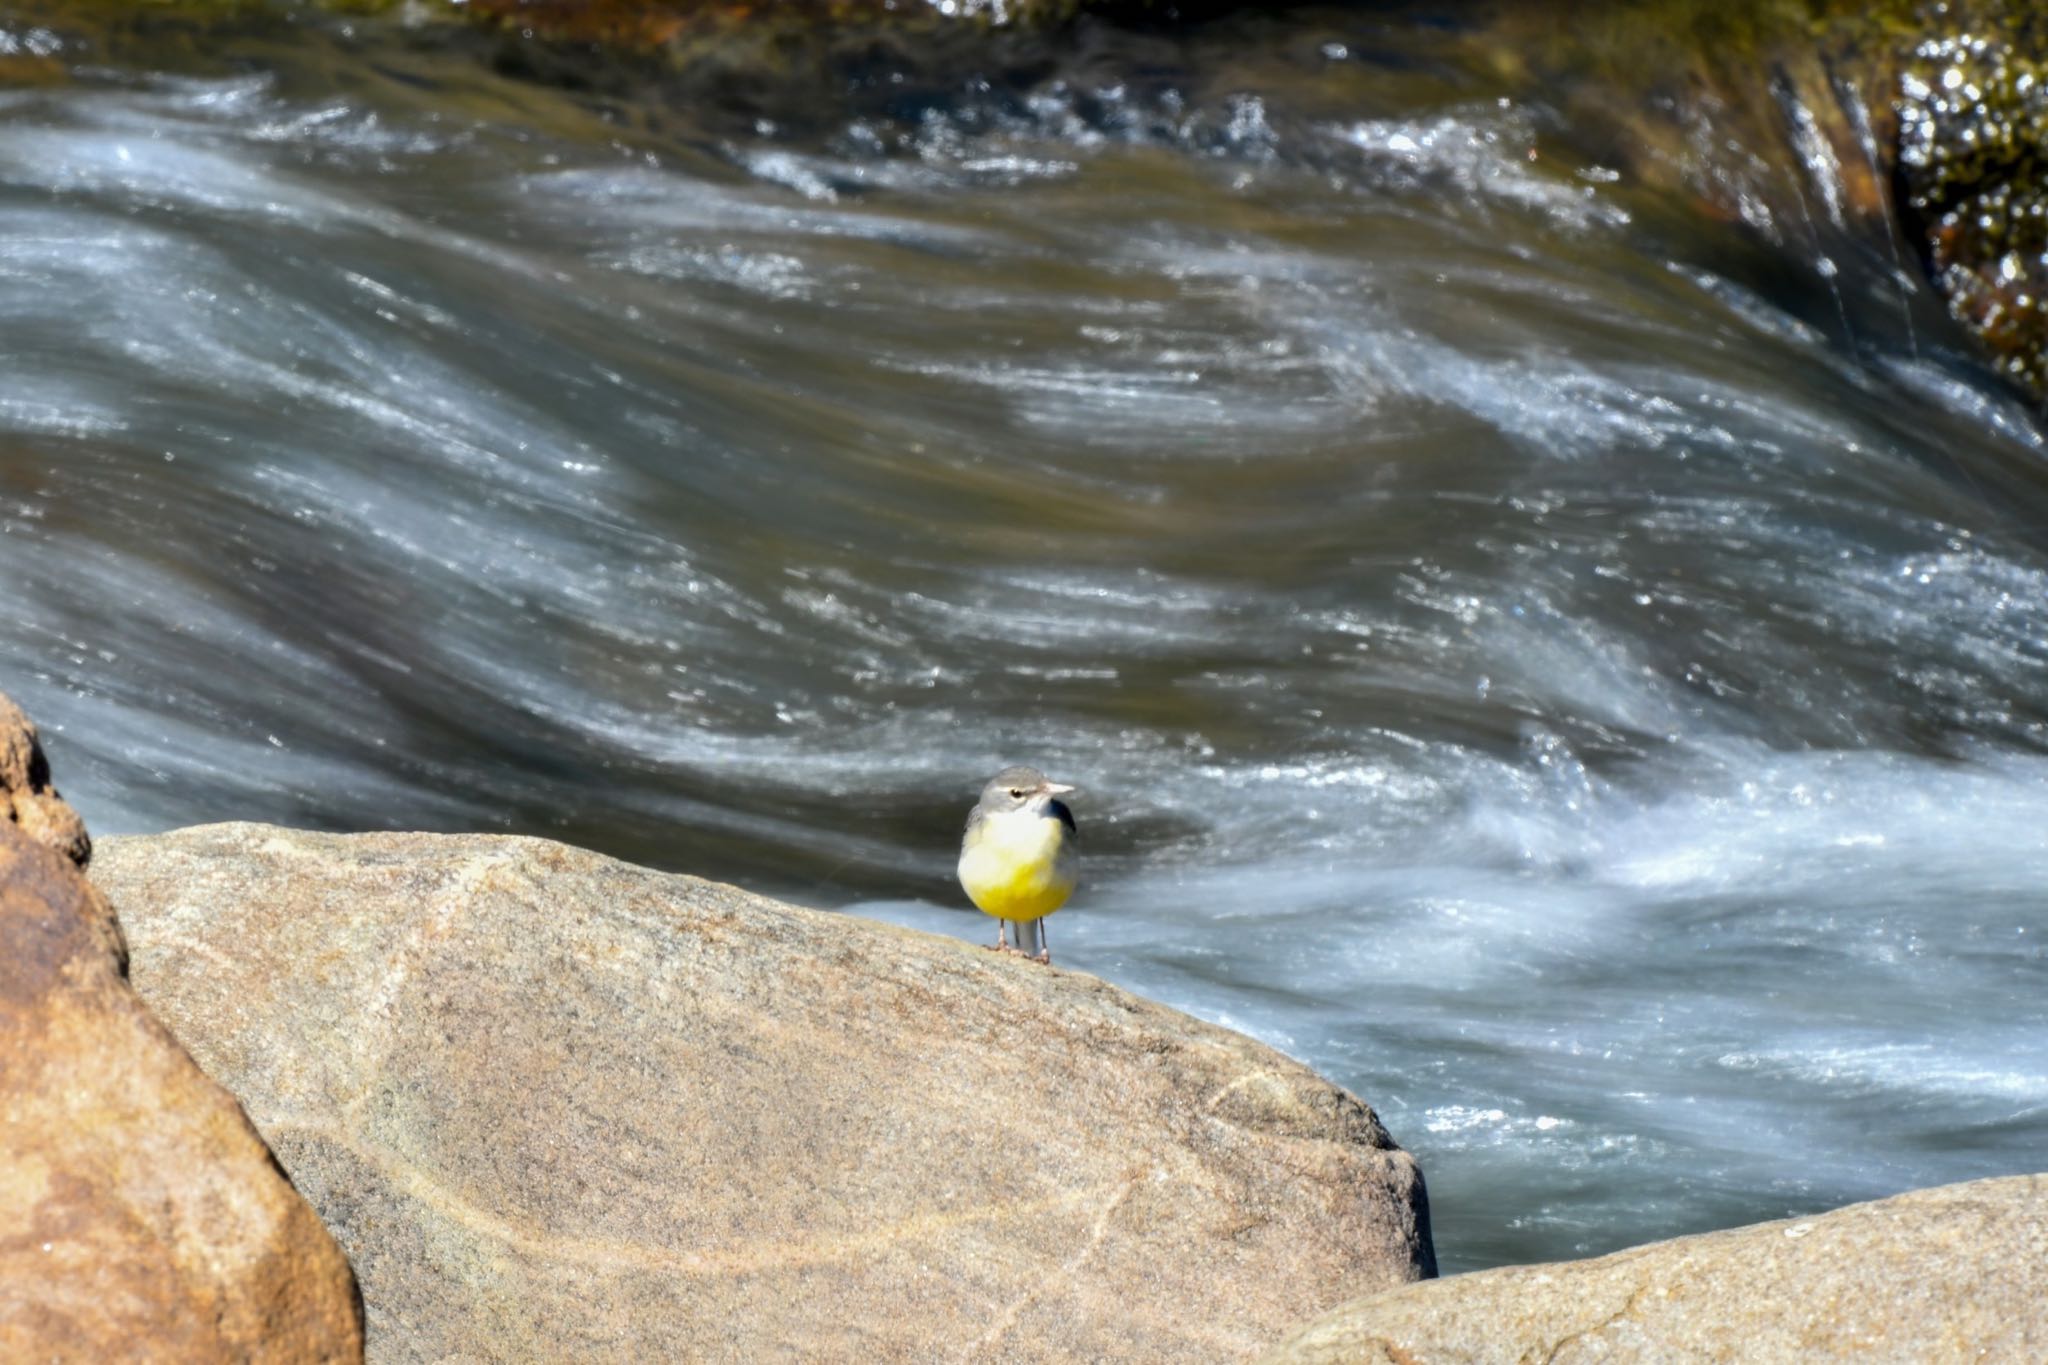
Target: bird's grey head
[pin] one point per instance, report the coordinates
(1020, 788)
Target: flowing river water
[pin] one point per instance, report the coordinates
(1563, 661)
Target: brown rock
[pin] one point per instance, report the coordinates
(140, 1216)
(557, 1106)
(1954, 1273)
(26, 797)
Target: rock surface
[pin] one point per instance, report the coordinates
(1973, 169)
(27, 799)
(1959, 1272)
(557, 1106)
(140, 1216)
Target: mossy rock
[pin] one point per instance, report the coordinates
(1973, 168)
(1935, 115)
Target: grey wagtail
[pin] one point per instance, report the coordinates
(1017, 859)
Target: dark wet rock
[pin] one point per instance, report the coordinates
(1828, 130)
(557, 1107)
(1973, 164)
(648, 24)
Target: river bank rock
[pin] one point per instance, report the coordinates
(557, 1106)
(140, 1216)
(1973, 112)
(27, 800)
(1959, 1272)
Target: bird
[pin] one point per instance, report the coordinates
(1017, 859)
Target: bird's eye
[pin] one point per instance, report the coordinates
(1017, 793)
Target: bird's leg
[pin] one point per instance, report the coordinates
(1044, 946)
(1030, 938)
(1002, 943)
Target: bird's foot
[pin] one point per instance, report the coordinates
(1044, 957)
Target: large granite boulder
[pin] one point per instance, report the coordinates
(140, 1216)
(1959, 1272)
(557, 1106)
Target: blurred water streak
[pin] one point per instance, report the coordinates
(1569, 669)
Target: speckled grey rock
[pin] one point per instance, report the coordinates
(555, 1106)
(1957, 1273)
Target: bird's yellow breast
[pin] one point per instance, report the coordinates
(1017, 865)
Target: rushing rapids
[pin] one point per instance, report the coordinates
(1557, 646)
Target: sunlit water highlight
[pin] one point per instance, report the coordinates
(1582, 696)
